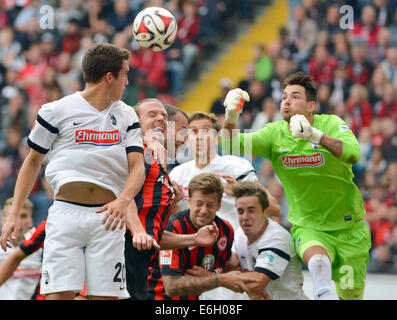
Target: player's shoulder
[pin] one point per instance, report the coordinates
(60, 105)
(181, 169)
(275, 234)
(226, 227)
(178, 218)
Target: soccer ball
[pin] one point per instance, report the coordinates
(155, 28)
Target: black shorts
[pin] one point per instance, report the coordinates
(137, 268)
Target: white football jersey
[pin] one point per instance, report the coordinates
(22, 284)
(85, 144)
(274, 255)
(237, 167)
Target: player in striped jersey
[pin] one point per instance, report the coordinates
(19, 282)
(155, 199)
(170, 279)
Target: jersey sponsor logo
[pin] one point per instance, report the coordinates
(98, 138)
(222, 242)
(165, 257)
(297, 161)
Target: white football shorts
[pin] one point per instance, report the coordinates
(78, 250)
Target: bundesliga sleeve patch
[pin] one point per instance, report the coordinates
(165, 257)
(343, 128)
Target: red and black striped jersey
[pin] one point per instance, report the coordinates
(176, 262)
(36, 241)
(156, 197)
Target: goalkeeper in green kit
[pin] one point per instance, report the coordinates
(312, 156)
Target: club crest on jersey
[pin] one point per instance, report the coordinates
(113, 119)
(222, 242)
(98, 138)
(297, 161)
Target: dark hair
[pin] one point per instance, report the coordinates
(172, 111)
(305, 81)
(203, 115)
(207, 183)
(248, 188)
(102, 58)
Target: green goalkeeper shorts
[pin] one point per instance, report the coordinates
(349, 253)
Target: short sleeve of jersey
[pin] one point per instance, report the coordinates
(36, 241)
(171, 261)
(273, 259)
(133, 139)
(337, 128)
(44, 130)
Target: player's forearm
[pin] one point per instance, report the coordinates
(171, 240)
(10, 264)
(186, 285)
(132, 220)
(332, 144)
(26, 179)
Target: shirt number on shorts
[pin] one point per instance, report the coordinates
(120, 272)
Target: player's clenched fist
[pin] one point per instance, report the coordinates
(234, 103)
(300, 128)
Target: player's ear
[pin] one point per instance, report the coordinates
(311, 106)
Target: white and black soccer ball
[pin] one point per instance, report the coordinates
(155, 28)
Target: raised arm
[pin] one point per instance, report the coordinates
(10, 264)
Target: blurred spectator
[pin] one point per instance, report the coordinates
(283, 68)
(139, 89)
(384, 12)
(122, 16)
(377, 163)
(359, 68)
(331, 22)
(42, 200)
(387, 106)
(10, 49)
(250, 69)
(389, 65)
(340, 85)
(389, 180)
(324, 104)
(376, 86)
(303, 32)
(377, 53)
(277, 191)
(154, 64)
(381, 260)
(365, 143)
(66, 75)
(188, 32)
(48, 48)
(389, 135)
(365, 30)
(66, 11)
(175, 68)
(217, 106)
(14, 113)
(322, 65)
(263, 63)
(359, 108)
(7, 180)
(71, 39)
(269, 113)
(341, 48)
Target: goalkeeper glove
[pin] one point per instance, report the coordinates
(234, 103)
(300, 128)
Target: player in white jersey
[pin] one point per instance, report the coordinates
(265, 249)
(25, 279)
(202, 139)
(95, 167)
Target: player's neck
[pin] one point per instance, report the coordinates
(202, 161)
(96, 95)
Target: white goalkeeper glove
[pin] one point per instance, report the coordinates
(234, 103)
(300, 128)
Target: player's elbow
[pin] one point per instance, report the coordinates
(169, 286)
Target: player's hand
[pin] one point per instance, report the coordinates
(230, 181)
(143, 241)
(232, 280)
(234, 103)
(207, 235)
(300, 128)
(10, 230)
(178, 192)
(116, 212)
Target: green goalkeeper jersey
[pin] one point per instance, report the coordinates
(319, 186)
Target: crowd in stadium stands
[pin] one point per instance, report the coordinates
(356, 70)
